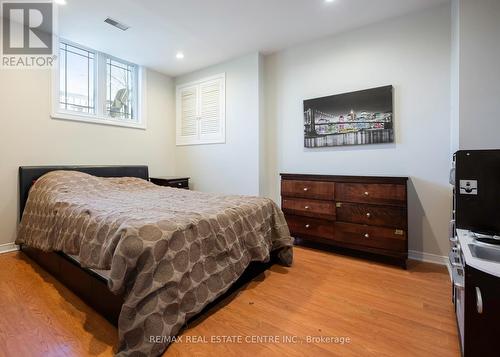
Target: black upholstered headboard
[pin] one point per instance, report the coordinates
(29, 174)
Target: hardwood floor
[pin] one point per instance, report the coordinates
(383, 310)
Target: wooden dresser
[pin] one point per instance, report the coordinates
(367, 214)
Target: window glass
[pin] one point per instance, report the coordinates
(77, 86)
(120, 89)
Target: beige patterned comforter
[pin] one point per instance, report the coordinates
(171, 251)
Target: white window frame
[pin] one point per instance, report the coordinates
(100, 117)
(186, 141)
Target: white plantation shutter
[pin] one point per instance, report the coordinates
(201, 112)
(211, 110)
(189, 114)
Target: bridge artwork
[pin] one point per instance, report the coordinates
(357, 118)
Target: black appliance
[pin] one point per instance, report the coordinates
(477, 191)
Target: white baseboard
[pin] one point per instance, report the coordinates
(430, 258)
(9, 247)
(427, 257)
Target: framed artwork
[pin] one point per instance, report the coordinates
(355, 118)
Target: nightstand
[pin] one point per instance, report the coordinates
(171, 181)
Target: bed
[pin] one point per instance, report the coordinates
(163, 253)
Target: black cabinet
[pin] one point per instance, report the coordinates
(482, 314)
(171, 181)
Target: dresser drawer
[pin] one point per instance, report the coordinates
(390, 194)
(310, 227)
(304, 207)
(308, 189)
(385, 216)
(370, 236)
(171, 182)
(179, 184)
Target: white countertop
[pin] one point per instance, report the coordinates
(465, 238)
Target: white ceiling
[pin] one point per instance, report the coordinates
(211, 31)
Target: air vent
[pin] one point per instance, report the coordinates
(117, 24)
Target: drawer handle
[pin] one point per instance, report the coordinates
(306, 189)
(479, 301)
(307, 226)
(367, 235)
(368, 215)
(306, 207)
(366, 193)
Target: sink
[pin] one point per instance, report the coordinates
(485, 253)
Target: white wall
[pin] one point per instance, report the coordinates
(28, 136)
(479, 74)
(233, 167)
(263, 140)
(413, 54)
(455, 78)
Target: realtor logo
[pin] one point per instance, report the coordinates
(27, 33)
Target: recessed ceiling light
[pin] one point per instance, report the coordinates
(329, 0)
(60, 2)
(179, 55)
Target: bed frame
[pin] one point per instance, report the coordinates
(90, 285)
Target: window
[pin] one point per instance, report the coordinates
(77, 86)
(95, 87)
(201, 111)
(120, 89)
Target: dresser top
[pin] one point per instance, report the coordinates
(341, 178)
